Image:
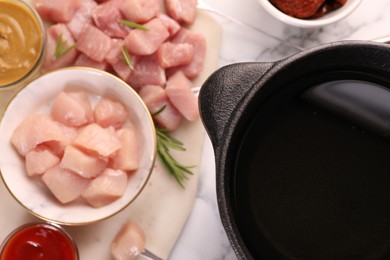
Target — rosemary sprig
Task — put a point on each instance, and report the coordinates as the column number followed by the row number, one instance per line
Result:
column 62, row 48
column 128, row 59
column 134, row 25
column 165, row 142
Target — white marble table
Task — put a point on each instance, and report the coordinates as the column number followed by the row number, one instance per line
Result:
column 203, row 237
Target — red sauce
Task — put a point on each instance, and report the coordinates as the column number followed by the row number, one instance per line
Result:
column 307, row 9
column 39, row 241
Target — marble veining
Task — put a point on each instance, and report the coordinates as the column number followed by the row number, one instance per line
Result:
column 203, row 237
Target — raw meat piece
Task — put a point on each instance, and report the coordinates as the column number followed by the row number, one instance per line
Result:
column 105, row 188
column 94, row 43
column 81, row 96
column 58, row 147
column 117, row 60
column 69, row 111
column 141, row 42
column 122, row 69
column 172, row 55
column 56, row 11
column 51, row 62
column 197, row 40
column 155, row 98
column 35, row 130
column 129, row 242
column 39, row 160
column 110, row 113
column 127, row 157
column 178, row 89
column 115, row 52
column 172, row 25
column 81, row 17
column 107, row 16
column 183, row 11
column 95, row 139
column 85, row 61
column 66, row 186
column 85, row 165
column 140, row 11
column 147, row 71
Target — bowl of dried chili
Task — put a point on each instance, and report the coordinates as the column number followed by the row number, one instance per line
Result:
column 309, row 14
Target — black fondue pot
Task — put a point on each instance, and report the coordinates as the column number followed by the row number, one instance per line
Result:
column 303, row 154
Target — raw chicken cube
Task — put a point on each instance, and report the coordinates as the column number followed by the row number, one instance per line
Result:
column 142, row 42
column 147, row 71
column 172, row 25
column 129, row 242
column 110, row 113
column 172, row 55
column 96, row 139
column 33, row 131
column 85, row 61
column 39, row 160
column 107, row 17
column 183, row 11
column 85, row 165
column 122, row 69
column 197, row 40
column 66, row 186
column 56, row 11
column 140, row 11
column 105, row 188
column 94, row 43
column 58, row 148
column 82, row 97
column 117, row 60
column 178, row 89
column 69, row 111
column 156, row 98
column 51, row 61
column 115, row 52
column 81, row 17
column 127, row 157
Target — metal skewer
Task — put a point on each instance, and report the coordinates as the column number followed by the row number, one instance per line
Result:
column 149, row 255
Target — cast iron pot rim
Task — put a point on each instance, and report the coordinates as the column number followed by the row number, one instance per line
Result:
column 364, row 61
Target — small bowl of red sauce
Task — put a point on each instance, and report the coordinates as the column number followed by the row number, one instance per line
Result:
column 39, row 241
column 309, row 14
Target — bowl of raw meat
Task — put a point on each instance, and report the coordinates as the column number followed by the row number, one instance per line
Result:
column 309, row 14
column 77, row 146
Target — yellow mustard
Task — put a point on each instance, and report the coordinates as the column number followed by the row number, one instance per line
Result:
column 21, row 41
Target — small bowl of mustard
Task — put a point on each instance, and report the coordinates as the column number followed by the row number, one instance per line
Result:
column 22, row 43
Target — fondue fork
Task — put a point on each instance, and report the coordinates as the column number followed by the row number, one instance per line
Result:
column 149, row 255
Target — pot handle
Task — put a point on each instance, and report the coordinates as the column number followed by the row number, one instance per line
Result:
column 223, row 91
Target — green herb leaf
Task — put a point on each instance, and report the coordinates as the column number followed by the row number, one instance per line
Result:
column 159, row 110
column 165, row 142
column 134, row 25
column 128, row 59
column 62, row 48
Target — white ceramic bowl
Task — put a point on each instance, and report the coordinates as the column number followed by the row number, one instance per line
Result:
column 37, row 96
column 327, row 19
